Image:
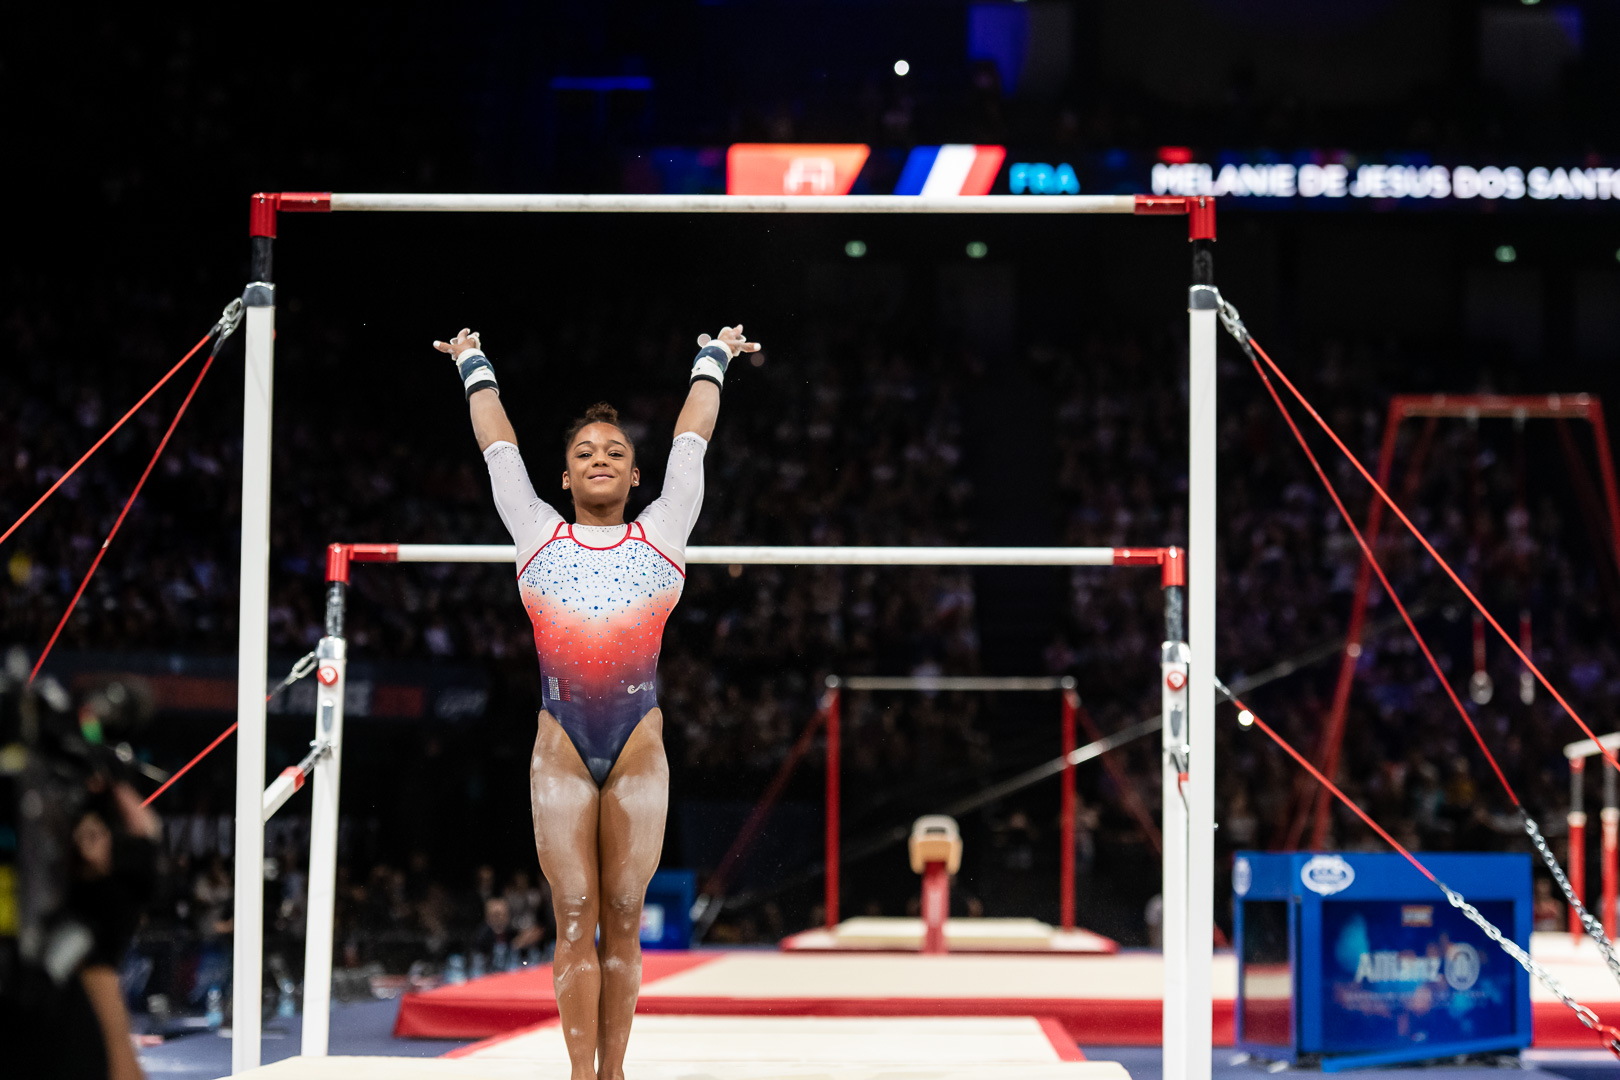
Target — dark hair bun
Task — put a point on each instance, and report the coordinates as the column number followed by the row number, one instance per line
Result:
column 602, row 413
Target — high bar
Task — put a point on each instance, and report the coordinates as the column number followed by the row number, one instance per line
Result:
column 762, row 555
column 738, row 204
column 952, row 682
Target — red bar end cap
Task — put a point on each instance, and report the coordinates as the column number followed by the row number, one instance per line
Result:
column 1173, row 568
column 1200, row 211
column 337, row 563
column 1200, row 217
column 262, row 207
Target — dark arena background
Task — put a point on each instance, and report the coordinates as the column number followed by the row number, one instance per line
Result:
column 1415, row 209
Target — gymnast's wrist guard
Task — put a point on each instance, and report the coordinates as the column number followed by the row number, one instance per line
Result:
column 476, row 372
column 711, row 364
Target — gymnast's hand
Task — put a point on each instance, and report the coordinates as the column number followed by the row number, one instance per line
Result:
column 461, row 343
column 731, row 337
column 717, row 354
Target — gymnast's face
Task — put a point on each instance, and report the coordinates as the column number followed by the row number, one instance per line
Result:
column 601, row 467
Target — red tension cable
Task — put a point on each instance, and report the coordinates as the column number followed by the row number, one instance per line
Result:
column 1389, row 590
column 1331, row 786
column 133, row 409
column 162, row 444
column 187, row 766
column 1608, row 755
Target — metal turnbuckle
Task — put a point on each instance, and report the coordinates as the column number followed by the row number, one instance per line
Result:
column 1232, row 321
column 303, row 667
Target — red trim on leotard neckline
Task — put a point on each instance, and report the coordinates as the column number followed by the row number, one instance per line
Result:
column 554, row 534
column 610, row 547
column 656, row 548
column 629, row 529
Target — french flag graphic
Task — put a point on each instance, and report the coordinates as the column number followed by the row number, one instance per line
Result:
column 952, row 169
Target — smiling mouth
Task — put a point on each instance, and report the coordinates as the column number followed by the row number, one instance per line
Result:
column 600, row 476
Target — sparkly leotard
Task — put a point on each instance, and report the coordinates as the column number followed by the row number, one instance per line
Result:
column 598, row 596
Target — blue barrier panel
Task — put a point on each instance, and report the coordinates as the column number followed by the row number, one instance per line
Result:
column 1359, row 960
column 666, row 916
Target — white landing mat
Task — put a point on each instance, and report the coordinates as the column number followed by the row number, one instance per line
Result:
column 753, row 1048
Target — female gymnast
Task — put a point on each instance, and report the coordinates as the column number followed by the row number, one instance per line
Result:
column 598, row 592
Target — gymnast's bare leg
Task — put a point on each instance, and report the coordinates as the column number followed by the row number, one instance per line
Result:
column 599, row 850
column 565, row 802
column 635, row 801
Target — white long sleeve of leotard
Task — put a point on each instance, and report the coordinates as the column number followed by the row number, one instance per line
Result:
column 668, row 520
column 530, row 519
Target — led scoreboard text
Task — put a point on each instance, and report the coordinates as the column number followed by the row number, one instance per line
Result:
column 1300, row 179
column 1334, row 181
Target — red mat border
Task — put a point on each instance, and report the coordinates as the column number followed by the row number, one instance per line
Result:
column 1099, row 1023
column 1108, row 1023
column 495, row 1006
column 1058, row 1036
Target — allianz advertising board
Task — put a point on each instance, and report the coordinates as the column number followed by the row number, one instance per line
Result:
column 1402, row 972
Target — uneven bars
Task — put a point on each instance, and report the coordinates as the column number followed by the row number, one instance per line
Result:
column 765, row 555
column 739, row 204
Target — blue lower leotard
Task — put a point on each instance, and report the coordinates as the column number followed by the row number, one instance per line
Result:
column 599, row 596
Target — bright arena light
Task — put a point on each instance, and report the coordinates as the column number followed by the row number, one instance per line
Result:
column 978, row 249
column 1246, row 718
column 901, row 67
column 855, row 248
column 1506, row 254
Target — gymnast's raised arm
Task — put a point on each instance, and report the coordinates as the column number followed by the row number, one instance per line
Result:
column 702, row 406
column 489, row 421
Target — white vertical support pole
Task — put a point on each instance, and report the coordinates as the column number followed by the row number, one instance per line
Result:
column 1173, row 892
column 1197, row 1032
column 331, row 678
column 251, row 656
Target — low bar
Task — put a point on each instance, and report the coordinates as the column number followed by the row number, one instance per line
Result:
column 764, row 555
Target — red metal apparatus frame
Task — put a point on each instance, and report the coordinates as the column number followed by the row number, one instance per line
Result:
column 1609, row 849
column 1172, row 564
column 1434, row 407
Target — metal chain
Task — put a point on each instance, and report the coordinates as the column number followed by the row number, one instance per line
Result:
column 1594, row 928
column 1611, row 1038
column 305, row 665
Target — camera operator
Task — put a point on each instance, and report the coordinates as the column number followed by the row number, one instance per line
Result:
column 78, row 860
